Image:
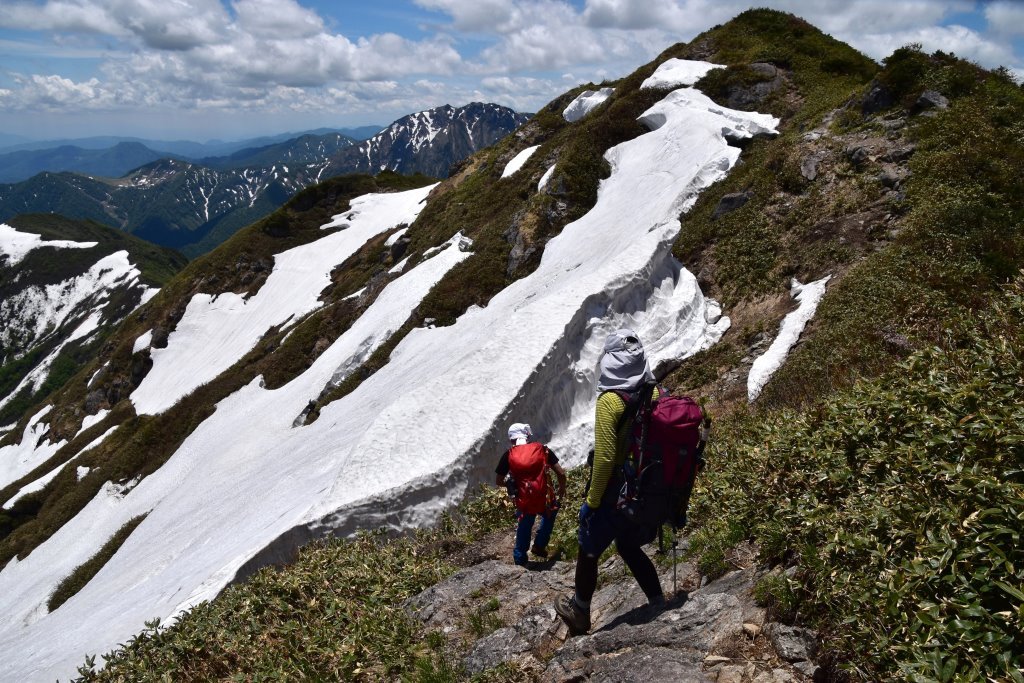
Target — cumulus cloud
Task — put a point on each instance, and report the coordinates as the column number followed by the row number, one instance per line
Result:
column 156, row 24
column 58, row 93
column 59, row 15
column 958, row 40
column 276, row 19
column 281, row 55
column 639, row 14
column 1005, row 18
column 478, row 15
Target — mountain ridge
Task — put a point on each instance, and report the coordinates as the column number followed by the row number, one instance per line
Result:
column 193, row 207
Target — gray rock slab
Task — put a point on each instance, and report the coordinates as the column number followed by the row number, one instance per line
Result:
column 730, row 202
column 521, row 641
column 931, row 99
column 740, row 584
column 674, row 643
column 439, row 604
column 811, row 670
column 730, row 674
column 792, row 643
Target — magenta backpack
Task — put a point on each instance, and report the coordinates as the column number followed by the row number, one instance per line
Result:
column 664, row 449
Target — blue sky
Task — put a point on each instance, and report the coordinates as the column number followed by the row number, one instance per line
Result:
column 228, row 69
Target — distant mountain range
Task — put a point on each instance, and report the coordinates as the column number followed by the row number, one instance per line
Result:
column 112, row 157
column 195, row 205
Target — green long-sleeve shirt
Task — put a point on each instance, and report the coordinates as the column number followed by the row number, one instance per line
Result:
column 610, row 445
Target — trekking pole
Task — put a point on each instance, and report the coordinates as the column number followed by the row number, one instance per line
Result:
column 675, row 587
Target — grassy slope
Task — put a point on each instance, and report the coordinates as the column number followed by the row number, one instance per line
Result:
column 900, row 501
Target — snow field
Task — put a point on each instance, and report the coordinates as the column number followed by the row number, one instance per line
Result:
column 35, row 310
column 218, row 329
column 765, row 365
column 42, row 452
column 244, row 469
column 16, row 245
column 19, row 459
column 38, row 311
column 35, row 378
column 409, row 438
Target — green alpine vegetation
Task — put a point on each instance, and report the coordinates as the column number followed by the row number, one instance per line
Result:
column 84, row 573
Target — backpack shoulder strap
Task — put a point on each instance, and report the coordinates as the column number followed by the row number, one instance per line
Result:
column 634, row 401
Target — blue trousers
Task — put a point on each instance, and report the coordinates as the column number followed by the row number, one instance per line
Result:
column 523, row 531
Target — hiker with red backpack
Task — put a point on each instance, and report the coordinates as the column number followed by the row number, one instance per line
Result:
column 524, row 469
column 647, row 448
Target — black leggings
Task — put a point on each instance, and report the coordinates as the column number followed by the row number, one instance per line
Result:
column 635, row 558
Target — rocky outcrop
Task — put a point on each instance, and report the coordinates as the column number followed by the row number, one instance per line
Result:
column 746, row 97
column 494, row 613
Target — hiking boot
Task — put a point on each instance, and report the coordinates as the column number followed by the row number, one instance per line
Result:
column 539, row 551
column 575, row 617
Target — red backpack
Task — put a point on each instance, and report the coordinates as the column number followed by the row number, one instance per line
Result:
column 664, row 449
column 528, row 466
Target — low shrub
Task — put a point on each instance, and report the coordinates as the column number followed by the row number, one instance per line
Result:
column 77, row 580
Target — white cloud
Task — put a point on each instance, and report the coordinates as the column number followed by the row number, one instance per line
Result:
column 277, row 19
column 59, row 15
column 282, row 55
column 958, row 40
column 476, row 15
column 56, row 93
column 1005, row 17
column 640, row 14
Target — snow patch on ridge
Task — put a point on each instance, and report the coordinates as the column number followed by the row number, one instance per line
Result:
column 143, row 342
column 16, row 245
column 765, row 365
column 677, row 72
column 518, row 160
column 546, row 178
column 586, row 102
column 19, row 459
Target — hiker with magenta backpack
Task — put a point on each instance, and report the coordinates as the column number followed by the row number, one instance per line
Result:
column 647, row 448
column 523, row 468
